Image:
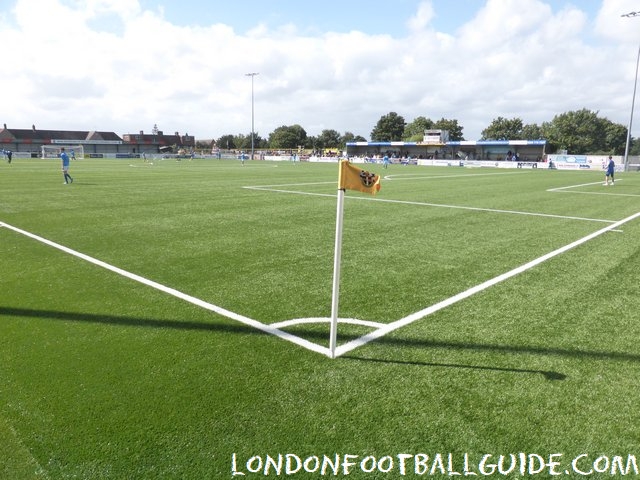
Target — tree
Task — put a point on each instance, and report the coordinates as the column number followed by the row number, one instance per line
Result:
column 579, row 132
column 288, row 137
column 532, row 132
column 205, row 144
column 244, row 141
column 503, row 129
column 615, row 137
column 329, row 139
column 390, row 127
column 311, row 142
column 455, row 130
column 583, row 132
column 575, row 131
column 414, row 131
column 350, row 137
column 226, row 142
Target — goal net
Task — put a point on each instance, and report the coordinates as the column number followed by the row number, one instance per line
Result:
column 53, row 151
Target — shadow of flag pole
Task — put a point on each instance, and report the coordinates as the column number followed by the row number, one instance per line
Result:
column 353, row 178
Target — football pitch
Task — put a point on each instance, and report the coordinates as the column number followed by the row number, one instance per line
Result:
column 171, row 321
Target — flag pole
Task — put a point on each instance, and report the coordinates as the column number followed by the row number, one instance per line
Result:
column 335, row 295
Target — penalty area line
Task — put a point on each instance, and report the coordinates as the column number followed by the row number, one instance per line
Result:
column 569, row 187
column 269, row 188
column 176, row 293
column 347, row 347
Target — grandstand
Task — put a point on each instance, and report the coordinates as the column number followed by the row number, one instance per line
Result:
column 436, row 145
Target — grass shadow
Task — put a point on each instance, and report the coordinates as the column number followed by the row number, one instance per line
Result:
column 548, row 375
column 320, row 336
column 129, row 321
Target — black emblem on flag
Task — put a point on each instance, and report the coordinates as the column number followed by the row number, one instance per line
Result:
column 367, row 179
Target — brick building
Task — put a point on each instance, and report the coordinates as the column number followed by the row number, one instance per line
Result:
column 95, row 143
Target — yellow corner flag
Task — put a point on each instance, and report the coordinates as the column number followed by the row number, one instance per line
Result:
column 354, row 178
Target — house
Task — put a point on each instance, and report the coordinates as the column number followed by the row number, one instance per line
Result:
column 94, row 143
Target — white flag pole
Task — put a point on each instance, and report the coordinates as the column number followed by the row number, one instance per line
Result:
column 336, row 275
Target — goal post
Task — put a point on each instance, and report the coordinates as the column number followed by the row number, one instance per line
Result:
column 53, row 151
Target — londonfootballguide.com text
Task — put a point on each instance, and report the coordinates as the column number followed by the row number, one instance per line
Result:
column 439, row 464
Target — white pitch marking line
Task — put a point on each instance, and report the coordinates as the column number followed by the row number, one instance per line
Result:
column 176, row 293
column 411, row 176
column 490, row 210
column 610, row 193
column 341, row 350
column 267, row 188
column 352, row 321
column 574, row 186
column 347, row 347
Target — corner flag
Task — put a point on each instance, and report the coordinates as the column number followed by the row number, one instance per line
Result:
column 354, row 178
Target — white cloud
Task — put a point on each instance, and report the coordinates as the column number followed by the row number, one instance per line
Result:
column 423, row 17
column 110, row 65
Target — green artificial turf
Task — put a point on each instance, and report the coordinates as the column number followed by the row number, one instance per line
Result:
column 103, row 377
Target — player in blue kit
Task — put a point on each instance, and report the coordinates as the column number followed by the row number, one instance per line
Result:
column 65, row 166
column 611, row 168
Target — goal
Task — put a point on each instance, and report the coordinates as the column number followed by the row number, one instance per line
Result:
column 53, row 151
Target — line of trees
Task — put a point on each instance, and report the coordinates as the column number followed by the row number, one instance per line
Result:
column 579, row 132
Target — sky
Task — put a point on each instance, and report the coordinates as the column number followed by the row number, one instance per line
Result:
column 129, row 65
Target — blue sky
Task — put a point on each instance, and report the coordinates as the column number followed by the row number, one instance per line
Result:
column 370, row 16
column 127, row 65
